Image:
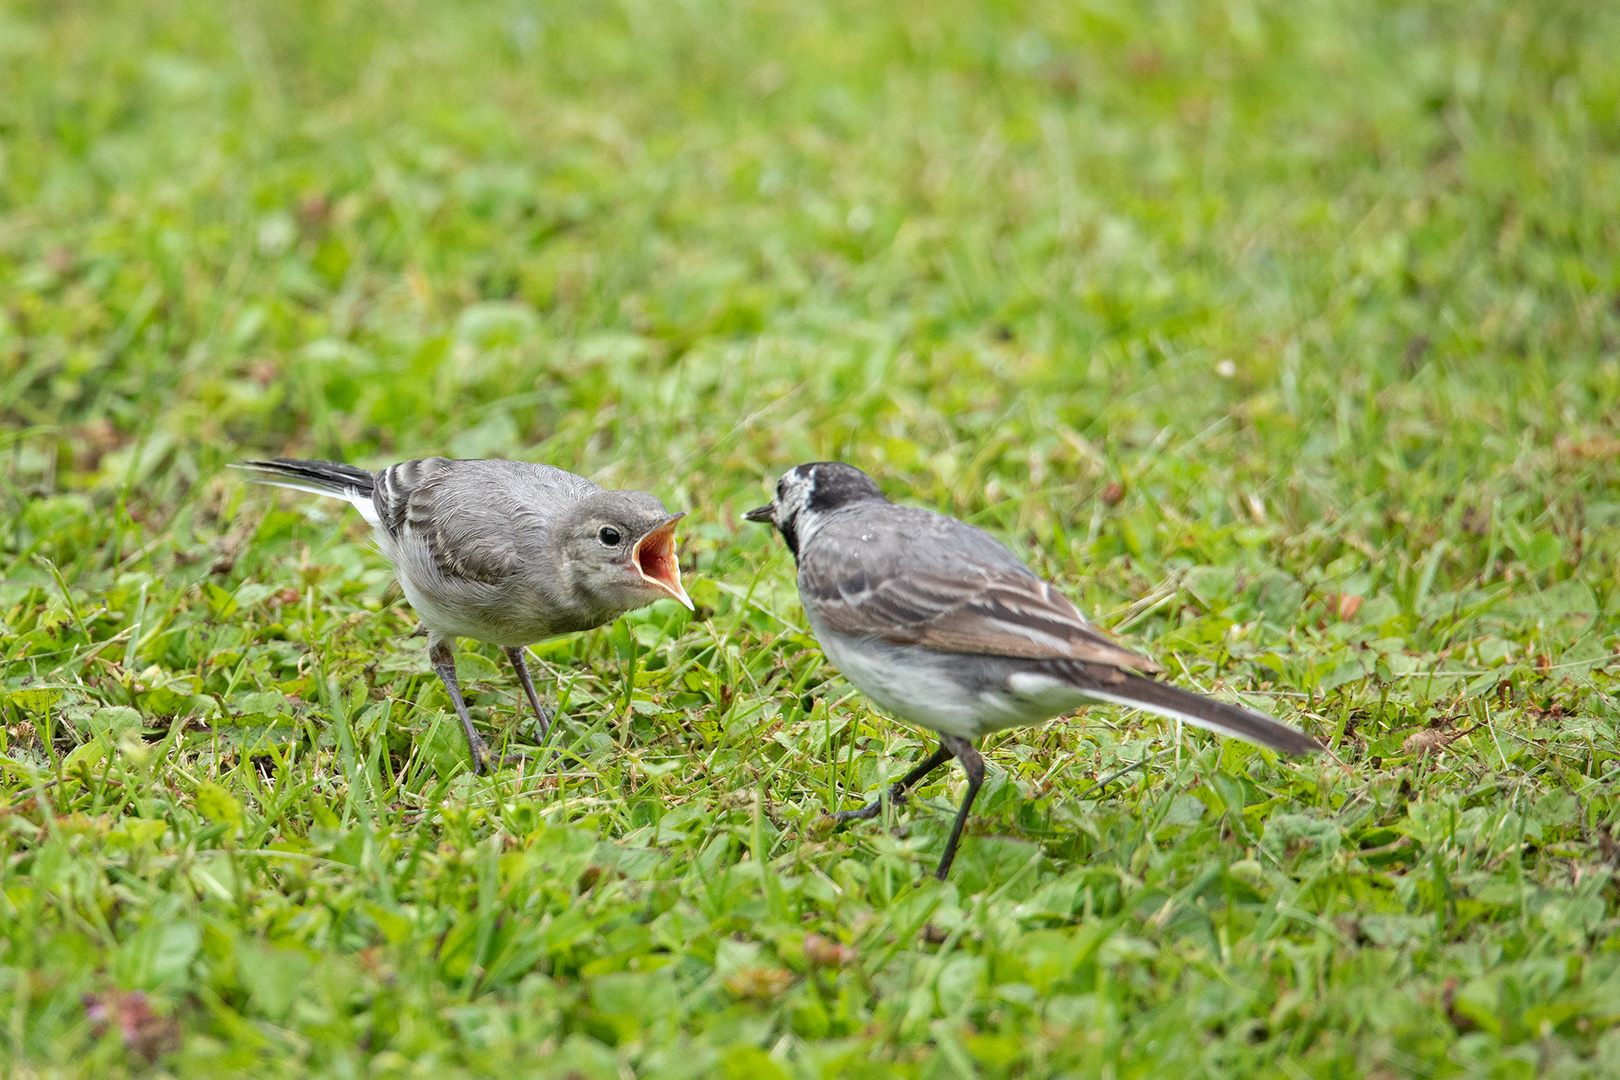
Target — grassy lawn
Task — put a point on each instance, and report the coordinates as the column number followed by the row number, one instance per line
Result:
column 1284, row 336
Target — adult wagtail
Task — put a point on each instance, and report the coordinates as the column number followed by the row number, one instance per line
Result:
column 502, row 551
column 941, row 625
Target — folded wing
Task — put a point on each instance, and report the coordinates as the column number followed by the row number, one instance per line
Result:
column 470, row 515
column 919, row 578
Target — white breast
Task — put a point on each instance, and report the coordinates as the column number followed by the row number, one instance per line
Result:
column 447, row 609
column 952, row 693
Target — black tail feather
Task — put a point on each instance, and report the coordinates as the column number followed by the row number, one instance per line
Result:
column 1200, row 711
column 333, row 475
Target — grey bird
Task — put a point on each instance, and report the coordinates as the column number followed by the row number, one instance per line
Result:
column 942, row 626
column 506, row 552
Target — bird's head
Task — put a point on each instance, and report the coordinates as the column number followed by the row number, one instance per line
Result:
column 807, row 492
column 620, row 545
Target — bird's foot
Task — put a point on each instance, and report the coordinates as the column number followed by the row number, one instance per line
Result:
column 485, row 760
column 897, row 796
column 488, row 761
column 865, row 813
column 543, row 722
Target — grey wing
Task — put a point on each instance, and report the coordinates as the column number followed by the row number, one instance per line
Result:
column 477, row 519
column 919, row 578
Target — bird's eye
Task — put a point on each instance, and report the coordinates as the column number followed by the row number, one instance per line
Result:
column 608, row 535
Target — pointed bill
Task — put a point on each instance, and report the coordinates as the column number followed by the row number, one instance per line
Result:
column 654, row 557
column 761, row 513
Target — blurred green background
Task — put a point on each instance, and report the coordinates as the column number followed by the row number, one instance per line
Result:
column 958, row 237
column 1285, row 337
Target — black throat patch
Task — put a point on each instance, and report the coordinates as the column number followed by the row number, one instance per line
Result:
column 790, row 534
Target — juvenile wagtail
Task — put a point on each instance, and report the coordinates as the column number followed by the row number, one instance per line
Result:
column 502, row 551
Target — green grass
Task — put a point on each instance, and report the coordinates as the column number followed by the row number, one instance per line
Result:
column 1284, row 336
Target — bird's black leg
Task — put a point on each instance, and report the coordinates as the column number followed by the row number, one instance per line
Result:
column 897, row 790
column 515, row 654
column 973, row 765
column 444, row 662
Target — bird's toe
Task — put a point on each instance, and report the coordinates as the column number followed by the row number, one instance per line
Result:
column 865, row 813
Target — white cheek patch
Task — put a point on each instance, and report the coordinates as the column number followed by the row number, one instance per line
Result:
column 797, row 490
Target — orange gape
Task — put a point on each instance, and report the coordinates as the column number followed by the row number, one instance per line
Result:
column 655, row 558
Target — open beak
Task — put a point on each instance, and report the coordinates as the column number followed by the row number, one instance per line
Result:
column 761, row 513
column 654, row 558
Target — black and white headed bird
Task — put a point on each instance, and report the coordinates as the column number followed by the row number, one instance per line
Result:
column 506, row 552
column 941, row 625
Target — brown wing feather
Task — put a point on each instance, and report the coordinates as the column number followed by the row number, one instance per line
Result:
column 999, row 609
column 1029, row 618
